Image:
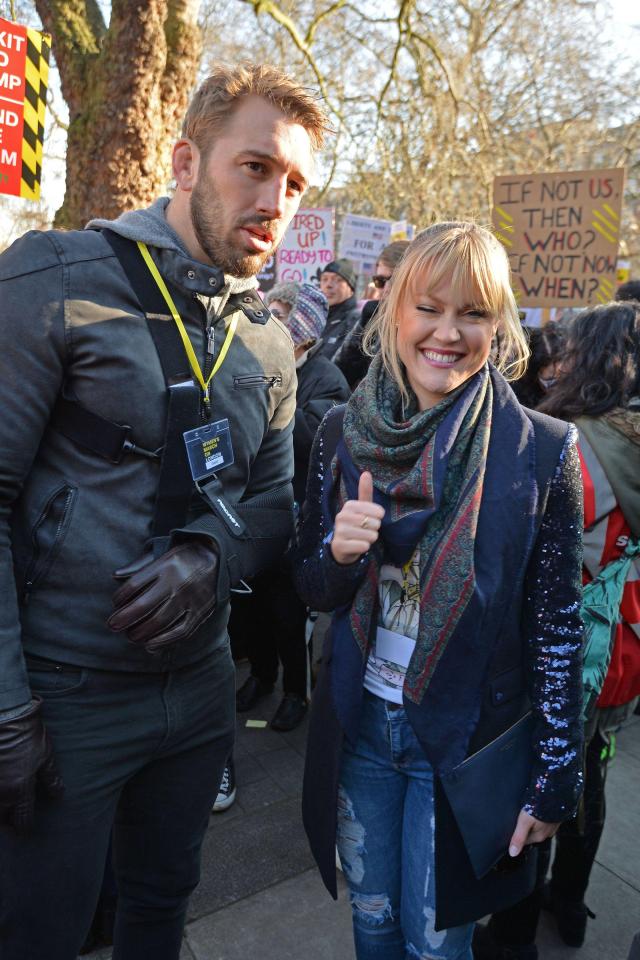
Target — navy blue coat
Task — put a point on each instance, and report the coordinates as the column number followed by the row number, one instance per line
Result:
column 493, row 669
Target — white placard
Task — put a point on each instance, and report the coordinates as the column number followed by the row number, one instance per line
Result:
column 307, row 247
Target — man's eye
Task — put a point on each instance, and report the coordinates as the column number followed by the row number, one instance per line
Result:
column 255, row 166
column 294, row 186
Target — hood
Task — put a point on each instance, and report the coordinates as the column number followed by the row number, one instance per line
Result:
column 615, row 438
column 150, row 226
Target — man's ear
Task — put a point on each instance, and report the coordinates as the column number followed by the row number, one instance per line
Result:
column 185, row 161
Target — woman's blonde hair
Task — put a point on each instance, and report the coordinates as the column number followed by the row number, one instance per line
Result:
column 477, row 267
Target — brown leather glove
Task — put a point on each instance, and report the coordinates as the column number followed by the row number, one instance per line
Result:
column 26, row 759
column 166, row 600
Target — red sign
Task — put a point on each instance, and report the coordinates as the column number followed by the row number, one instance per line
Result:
column 13, row 55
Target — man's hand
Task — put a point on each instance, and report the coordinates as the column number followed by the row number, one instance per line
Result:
column 26, row 759
column 529, row 830
column 164, row 601
column 357, row 525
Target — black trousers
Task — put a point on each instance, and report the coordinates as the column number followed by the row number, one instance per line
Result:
column 577, row 843
column 268, row 626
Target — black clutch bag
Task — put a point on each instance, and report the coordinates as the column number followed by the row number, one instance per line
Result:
column 477, row 806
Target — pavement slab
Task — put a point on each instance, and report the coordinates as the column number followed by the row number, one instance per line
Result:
column 294, row 919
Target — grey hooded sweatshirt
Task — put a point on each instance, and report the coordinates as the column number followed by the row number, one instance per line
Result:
column 69, row 518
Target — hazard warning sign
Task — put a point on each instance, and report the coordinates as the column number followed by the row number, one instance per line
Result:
column 24, row 76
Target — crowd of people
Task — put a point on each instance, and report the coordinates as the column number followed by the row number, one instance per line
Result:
column 184, row 462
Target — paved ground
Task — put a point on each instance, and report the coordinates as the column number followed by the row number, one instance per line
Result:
column 260, row 897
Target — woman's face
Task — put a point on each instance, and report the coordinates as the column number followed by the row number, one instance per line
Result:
column 441, row 341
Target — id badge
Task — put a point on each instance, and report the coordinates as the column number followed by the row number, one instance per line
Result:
column 209, row 449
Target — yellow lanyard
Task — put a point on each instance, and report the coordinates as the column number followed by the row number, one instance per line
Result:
column 193, row 360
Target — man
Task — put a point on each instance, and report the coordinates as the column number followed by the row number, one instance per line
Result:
column 352, row 361
column 148, row 405
column 338, row 283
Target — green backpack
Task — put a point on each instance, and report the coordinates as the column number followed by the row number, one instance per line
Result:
column 601, row 614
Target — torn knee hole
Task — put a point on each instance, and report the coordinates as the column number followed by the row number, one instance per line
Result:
column 373, row 908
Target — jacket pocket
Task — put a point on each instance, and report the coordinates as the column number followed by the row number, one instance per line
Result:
column 50, row 679
column 48, row 535
column 255, row 380
column 507, row 686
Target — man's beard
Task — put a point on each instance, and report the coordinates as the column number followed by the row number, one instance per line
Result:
column 207, row 217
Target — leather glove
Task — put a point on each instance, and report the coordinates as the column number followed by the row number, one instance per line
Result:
column 26, row 758
column 166, row 600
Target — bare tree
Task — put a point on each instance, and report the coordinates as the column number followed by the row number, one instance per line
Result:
column 126, row 85
column 433, row 98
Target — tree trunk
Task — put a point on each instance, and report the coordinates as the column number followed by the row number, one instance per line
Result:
column 126, row 87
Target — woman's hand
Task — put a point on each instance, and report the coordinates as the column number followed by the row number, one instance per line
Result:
column 357, row 525
column 529, row 830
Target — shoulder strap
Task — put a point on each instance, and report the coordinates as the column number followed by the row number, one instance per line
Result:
column 112, row 440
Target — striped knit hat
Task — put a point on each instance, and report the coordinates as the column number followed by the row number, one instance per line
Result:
column 309, row 315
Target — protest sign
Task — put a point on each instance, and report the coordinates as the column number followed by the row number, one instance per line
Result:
column 362, row 239
column 623, row 271
column 307, row 246
column 401, row 230
column 267, row 276
column 561, row 232
column 24, row 75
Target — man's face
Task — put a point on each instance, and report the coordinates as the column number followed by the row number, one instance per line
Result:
column 383, row 272
column 249, row 186
column 334, row 287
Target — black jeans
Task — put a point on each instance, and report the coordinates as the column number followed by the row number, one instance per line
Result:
column 144, row 754
column 269, row 624
column 577, row 843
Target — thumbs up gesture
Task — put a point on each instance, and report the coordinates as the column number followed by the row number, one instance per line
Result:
column 357, row 525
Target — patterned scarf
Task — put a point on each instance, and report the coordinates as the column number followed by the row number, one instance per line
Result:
column 428, row 472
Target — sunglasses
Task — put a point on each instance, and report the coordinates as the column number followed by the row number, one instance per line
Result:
column 379, row 281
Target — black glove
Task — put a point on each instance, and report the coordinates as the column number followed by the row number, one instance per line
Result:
column 167, row 599
column 26, row 757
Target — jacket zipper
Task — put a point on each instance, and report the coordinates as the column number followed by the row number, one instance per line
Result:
column 33, row 574
column 256, row 381
column 208, row 367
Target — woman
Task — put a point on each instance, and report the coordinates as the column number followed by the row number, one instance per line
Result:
column 598, row 388
column 545, row 346
column 452, row 563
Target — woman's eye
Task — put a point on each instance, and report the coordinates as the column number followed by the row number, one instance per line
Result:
column 425, row 308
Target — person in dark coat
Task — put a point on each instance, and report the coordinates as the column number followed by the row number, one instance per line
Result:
column 445, row 534
column 353, row 361
column 274, row 604
column 338, row 283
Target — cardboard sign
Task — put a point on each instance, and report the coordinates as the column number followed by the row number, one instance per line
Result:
column 362, row 240
column 24, row 76
column 307, row 246
column 561, row 232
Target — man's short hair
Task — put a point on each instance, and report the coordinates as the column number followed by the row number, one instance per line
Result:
column 393, row 253
column 629, row 290
column 219, row 95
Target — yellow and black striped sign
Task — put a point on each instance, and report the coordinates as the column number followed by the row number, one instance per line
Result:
column 35, row 105
column 24, row 75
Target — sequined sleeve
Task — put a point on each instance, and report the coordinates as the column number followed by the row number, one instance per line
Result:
column 553, row 633
column 322, row 583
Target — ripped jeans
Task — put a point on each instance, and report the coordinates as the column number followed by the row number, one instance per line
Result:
column 385, row 842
